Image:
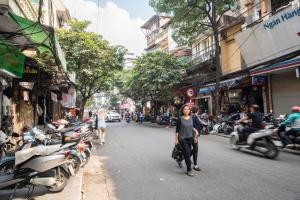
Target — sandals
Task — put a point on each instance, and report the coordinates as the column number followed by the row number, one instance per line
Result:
column 196, row 167
column 189, row 173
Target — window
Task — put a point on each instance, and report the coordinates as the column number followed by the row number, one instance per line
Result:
column 276, row 4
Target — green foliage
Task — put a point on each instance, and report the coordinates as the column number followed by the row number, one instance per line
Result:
column 92, row 58
column 113, row 100
column 190, row 18
column 152, row 78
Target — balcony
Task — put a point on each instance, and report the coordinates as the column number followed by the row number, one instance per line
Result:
column 203, row 55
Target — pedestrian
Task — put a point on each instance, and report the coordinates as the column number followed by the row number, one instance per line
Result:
column 141, row 118
column 90, row 114
column 138, row 115
column 187, row 137
column 101, row 126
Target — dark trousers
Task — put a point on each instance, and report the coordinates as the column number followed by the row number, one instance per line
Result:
column 186, row 145
column 286, row 136
column 246, row 132
column 194, row 152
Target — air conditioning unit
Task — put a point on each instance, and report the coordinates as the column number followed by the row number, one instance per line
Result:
column 249, row 20
column 4, row 7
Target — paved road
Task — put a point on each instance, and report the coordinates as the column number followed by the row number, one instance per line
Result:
column 137, row 159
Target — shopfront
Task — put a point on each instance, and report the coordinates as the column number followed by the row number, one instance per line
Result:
column 236, row 94
column 284, row 84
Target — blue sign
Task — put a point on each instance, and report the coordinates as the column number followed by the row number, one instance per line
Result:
column 283, row 18
column 259, row 80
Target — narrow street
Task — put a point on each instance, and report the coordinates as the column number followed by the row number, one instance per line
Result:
column 137, row 159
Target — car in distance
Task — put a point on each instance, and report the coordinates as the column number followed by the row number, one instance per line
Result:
column 113, row 116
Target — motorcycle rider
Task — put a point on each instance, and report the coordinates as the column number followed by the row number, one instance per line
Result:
column 255, row 117
column 127, row 116
column 293, row 120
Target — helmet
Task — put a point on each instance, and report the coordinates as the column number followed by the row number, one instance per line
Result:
column 296, row 109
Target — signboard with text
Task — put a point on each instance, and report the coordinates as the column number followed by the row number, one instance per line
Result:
column 273, row 38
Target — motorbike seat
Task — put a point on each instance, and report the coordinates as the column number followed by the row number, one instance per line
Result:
column 23, row 155
column 5, row 178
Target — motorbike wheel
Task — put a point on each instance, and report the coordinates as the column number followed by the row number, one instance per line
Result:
column 272, row 152
column 233, row 142
column 76, row 162
column 7, row 168
column 61, row 182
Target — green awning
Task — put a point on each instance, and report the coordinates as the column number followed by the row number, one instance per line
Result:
column 42, row 37
column 11, row 60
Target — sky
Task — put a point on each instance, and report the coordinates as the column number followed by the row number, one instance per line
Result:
column 119, row 21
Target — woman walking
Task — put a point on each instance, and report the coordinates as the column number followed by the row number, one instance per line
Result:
column 187, row 136
column 101, row 126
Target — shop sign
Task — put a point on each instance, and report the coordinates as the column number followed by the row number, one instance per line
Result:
column 282, row 18
column 30, row 74
column 274, row 38
column 29, row 70
column 191, row 103
column 11, row 60
column 190, row 92
column 259, row 80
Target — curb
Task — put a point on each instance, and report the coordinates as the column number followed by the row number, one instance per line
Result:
column 71, row 192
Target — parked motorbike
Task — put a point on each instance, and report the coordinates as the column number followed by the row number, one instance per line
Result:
column 225, row 124
column 260, row 141
column 38, row 166
column 166, row 120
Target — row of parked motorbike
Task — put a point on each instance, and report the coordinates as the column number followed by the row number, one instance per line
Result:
column 44, row 157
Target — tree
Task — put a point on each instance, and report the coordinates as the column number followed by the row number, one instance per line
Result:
column 152, row 78
column 92, row 58
column 193, row 17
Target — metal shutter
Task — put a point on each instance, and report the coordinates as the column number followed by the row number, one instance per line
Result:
column 285, row 92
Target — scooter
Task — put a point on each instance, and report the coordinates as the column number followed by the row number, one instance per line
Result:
column 280, row 132
column 38, row 166
column 260, row 141
column 128, row 119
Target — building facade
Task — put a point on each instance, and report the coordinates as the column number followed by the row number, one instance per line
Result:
column 270, row 48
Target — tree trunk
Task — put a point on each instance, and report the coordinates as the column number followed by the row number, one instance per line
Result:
column 82, row 106
column 217, row 56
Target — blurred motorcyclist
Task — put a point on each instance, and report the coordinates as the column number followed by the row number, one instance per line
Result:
column 294, row 121
column 255, row 119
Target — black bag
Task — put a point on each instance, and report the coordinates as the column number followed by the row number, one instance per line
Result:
column 177, row 153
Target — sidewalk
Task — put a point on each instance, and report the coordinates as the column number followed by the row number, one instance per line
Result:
column 96, row 181
column 71, row 192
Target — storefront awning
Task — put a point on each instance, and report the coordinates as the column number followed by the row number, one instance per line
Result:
column 277, row 68
column 207, row 90
column 25, row 33
column 226, row 84
column 11, row 60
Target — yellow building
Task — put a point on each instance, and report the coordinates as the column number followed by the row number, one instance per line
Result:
column 231, row 60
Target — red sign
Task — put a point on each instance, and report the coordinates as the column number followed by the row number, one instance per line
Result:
column 190, row 92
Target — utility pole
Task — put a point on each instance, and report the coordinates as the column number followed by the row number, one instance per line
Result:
column 216, row 60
